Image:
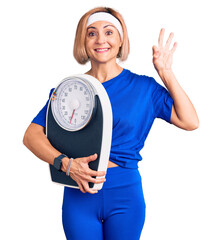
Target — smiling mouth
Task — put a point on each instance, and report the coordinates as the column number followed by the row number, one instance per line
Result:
column 101, row 50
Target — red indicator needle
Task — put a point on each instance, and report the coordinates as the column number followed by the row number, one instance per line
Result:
column 72, row 115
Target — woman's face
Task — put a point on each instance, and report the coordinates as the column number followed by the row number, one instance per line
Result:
column 102, row 42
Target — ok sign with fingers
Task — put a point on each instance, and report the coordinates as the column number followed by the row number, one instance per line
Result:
column 162, row 55
column 183, row 113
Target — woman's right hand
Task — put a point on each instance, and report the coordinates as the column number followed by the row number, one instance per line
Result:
column 82, row 174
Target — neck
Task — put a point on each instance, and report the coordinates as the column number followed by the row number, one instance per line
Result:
column 104, row 72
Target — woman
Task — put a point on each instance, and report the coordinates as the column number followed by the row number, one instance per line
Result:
column 117, row 211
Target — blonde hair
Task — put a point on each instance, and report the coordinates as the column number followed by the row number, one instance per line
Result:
column 79, row 51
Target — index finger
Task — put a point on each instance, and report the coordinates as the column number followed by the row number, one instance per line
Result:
column 160, row 40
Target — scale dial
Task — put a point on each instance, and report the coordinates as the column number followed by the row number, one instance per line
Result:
column 72, row 104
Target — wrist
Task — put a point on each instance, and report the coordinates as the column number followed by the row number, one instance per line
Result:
column 65, row 163
column 165, row 71
column 166, row 75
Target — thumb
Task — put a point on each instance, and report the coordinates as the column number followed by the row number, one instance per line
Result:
column 155, row 52
column 92, row 157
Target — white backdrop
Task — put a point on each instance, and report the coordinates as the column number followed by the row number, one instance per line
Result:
column 181, row 170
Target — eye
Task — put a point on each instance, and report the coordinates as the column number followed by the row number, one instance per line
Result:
column 91, row 34
column 109, row 32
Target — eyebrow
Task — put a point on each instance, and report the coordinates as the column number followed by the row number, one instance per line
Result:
column 103, row 27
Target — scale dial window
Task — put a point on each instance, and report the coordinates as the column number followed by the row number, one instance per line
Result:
column 72, row 104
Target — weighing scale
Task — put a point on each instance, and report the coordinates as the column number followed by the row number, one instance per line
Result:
column 79, row 123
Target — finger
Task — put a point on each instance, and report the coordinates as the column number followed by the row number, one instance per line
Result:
column 80, row 187
column 174, row 47
column 97, row 173
column 93, row 179
column 87, row 189
column 96, row 180
column 161, row 36
column 93, row 191
column 91, row 157
column 155, row 52
column 169, row 40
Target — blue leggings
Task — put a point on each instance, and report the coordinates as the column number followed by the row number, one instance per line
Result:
column 116, row 212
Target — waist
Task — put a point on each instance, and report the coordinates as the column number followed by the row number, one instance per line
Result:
column 112, row 164
column 121, row 177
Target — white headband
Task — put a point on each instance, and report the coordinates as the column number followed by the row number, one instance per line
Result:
column 103, row 16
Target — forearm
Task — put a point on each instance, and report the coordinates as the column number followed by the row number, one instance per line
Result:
column 183, row 107
column 36, row 141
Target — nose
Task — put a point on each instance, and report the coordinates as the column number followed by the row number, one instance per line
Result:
column 101, row 38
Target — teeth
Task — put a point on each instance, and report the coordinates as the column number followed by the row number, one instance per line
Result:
column 100, row 50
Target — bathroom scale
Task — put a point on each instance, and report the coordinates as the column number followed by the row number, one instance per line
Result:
column 79, row 123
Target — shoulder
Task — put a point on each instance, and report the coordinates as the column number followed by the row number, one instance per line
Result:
column 141, row 79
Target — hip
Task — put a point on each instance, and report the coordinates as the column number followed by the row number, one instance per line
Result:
column 122, row 185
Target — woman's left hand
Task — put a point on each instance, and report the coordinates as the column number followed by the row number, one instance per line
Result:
column 162, row 55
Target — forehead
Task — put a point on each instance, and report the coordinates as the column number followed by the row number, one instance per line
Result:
column 100, row 24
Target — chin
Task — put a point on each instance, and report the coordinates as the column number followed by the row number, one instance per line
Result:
column 104, row 59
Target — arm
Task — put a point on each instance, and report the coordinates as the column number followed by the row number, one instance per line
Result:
column 37, row 142
column 183, row 112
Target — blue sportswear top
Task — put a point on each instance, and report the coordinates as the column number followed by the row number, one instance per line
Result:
column 136, row 101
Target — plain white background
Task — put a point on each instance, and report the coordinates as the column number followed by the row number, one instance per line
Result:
column 181, row 170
